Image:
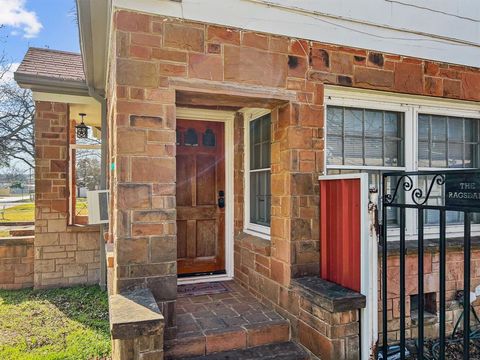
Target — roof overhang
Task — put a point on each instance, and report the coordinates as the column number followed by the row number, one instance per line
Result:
column 51, row 85
column 94, row 18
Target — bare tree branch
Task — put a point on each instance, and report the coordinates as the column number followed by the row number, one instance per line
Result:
column 17, row 112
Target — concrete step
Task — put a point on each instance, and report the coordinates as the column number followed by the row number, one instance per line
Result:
column 236, row 337
column 281, row 351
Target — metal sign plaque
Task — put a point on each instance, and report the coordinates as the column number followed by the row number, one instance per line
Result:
column 462, row 190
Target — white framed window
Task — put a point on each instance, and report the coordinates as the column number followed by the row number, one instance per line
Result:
column 257, row 145
column 83, row 174
column 430, row 134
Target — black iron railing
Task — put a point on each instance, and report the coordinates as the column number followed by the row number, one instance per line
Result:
column 459, row 191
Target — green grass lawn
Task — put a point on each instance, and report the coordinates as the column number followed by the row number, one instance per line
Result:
column 21, row 212
column 26, row 211
column 54, row 324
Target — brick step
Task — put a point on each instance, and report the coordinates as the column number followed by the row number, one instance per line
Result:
column 281, row 351
column 235, row 337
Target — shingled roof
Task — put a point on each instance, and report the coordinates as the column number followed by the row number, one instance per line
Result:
column 52, row 64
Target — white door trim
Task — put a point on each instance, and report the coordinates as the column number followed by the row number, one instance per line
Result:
column 227, row 117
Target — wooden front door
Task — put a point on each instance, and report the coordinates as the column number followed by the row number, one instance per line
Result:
column 200, row 185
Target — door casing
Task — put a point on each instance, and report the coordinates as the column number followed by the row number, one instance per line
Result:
column 227, row 117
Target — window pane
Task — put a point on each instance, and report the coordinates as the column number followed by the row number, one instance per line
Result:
column 455, row 155
column 87, row 178
column 471, row 132
column 260, row 142
column 260, row 198
column 353, row 122
column 439, row 156
column 353, row 151
column 469, row 155
column 268, row 202
column 265, row 123
column 392, row 124
column 423, row 154
column 265, row 150
column 423, row 127
column 334, row 120
column 252, row 147
column 334, row 150
column 392, row 152
column 455, row 129
column 439, row 128
column 256, row 131
column 373, row 152
column 373, row 123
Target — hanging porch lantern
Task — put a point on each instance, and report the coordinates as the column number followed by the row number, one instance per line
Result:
column 82, row 129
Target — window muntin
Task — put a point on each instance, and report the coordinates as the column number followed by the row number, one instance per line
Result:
column 364, row 137
column 446, row 142
column 259, row 170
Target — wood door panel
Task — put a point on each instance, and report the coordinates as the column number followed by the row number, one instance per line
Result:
column 200, row 178
column 206, row 238
column 186, row 213
column 181, row 239
column 185, row 172
column 206, row 168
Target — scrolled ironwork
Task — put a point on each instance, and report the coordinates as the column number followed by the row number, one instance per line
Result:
column 407, row 185
column 417, row 193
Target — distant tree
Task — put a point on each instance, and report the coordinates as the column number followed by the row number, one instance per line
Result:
column 13, row 175
column 88, row 173
column 17, row 112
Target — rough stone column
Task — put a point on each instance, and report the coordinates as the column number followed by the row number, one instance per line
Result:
column 143, row 143
column 64, row 255
column 297, row 160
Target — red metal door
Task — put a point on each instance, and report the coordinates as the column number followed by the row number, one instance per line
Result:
column 340, row 231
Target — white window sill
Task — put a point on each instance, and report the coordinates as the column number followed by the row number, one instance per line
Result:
column 258, row 230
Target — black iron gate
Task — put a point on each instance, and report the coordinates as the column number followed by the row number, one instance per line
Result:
column 431, row 194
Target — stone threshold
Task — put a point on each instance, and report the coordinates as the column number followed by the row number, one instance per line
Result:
column 233, row 320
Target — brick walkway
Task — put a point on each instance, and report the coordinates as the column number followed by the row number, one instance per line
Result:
column 283, row 351
column 220, row 322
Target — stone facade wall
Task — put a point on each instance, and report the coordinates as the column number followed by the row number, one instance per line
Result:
column 454, row 283
column 16, row 263
column 64, row 255
column 155, row 54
